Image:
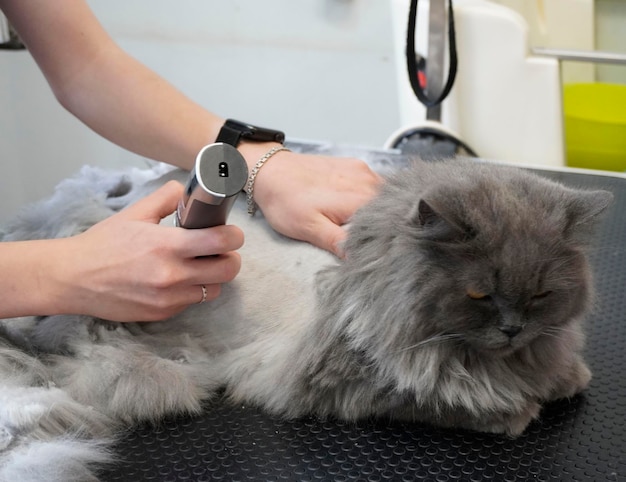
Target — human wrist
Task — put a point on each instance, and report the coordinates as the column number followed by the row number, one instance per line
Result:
column 65, row 276
column 264, row 161
column 31, row 276
column 257, row 145
column 250, row 184
column 253, row 151
column 251, row 141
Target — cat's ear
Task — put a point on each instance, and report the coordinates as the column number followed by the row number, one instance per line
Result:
column 583, row 211
column 435, row 227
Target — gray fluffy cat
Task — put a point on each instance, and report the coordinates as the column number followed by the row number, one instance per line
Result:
column 459, row 303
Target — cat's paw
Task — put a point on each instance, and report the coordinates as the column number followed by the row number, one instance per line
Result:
column 516, row 423
column 581, row 377
column 575, row 382
column 512, row 424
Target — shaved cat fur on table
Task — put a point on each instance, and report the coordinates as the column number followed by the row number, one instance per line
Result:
column 459, row 303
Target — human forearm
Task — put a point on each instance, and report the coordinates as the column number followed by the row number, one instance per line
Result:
column 107, row 89
column 131, row 106
column 28, row 277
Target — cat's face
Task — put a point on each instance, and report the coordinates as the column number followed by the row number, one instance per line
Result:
column 505, row 263
column 498, row 300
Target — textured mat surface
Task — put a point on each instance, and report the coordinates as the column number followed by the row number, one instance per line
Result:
column 583, row 439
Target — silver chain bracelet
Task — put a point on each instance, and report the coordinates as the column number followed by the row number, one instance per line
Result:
column 252, row 207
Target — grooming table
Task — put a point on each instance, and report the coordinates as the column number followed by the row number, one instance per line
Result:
column 582, row 439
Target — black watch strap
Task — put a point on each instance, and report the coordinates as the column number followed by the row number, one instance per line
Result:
column 233, row 131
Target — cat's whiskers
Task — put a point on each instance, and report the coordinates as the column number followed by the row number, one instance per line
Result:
column 552, row 259
column 556, row 331
column 436, row 339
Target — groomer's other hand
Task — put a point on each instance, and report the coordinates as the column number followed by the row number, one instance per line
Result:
column 130, row 268
column 310, row 197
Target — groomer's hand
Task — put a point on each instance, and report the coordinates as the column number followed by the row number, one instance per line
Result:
column 310, row 197
column 130, row 268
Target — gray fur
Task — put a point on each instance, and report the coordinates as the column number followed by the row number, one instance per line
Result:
column 388, row 332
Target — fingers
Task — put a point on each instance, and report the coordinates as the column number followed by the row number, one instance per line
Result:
column 212, row 270
column 155, row 206
column 198, row 294
column 311, row 197
column 167, row 303
column 209, row 261
column 192, row 243
column 185, row 242
column 327, row 235
column 208, row 273
column 164, row 296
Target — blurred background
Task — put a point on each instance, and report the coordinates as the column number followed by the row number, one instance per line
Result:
column 325, row 70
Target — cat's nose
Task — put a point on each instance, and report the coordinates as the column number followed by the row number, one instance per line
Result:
column 510, row 330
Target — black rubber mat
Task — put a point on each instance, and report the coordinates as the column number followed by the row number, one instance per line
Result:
column 582, row 439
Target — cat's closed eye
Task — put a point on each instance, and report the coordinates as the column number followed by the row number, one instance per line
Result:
column 478, row 295
column 541, row 295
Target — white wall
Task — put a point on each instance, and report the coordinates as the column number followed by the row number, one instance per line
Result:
column 611, row 36
column 317, row 69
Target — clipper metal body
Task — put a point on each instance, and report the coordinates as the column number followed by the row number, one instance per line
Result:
column 219, row 175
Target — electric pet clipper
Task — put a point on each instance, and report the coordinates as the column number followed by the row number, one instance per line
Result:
column 219, row 175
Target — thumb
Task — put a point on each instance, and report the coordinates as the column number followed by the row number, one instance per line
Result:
column 157, row 205
column 329, row 236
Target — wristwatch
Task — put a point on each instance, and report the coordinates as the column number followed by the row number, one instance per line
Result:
column 233, row 131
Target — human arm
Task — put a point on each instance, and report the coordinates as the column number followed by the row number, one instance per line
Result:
column 125, row 268
column 305, row 197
